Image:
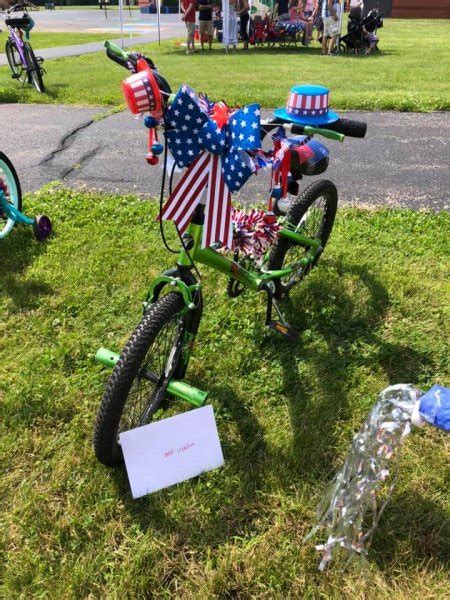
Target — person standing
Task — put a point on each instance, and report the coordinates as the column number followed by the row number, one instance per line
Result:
column 188, row 10
column 205, row 24
column 244, row 18
column 230, row 23
column 330, row 17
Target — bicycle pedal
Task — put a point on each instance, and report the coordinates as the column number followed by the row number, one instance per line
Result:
column 15, row 76
column 284, row 329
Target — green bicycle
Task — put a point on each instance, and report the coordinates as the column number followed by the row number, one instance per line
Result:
column 151, row 368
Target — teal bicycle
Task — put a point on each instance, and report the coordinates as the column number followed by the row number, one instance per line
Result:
column 149, row 373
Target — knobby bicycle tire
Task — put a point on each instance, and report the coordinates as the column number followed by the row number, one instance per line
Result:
column 126, row 372
column 34, row 69
column 319, row 189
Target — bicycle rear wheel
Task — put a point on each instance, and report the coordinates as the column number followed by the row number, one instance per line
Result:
column 34, row 69
column 10, row 187
column 313, row 213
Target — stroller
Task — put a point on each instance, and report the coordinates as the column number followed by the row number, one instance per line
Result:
column 361, row 37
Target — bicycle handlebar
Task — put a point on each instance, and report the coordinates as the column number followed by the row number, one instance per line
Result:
column 17, row 7
column 116, row 50
column 333, row 131
column 267, row 126
column 308, row 130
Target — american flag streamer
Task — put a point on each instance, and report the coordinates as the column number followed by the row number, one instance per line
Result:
column 204, row 172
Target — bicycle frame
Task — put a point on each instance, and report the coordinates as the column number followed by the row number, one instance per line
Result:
column 15, row 37
column 252, row 279
column 183, row 281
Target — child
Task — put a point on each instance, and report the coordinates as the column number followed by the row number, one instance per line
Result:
column 307, row 22
column 293, row 10
column 330, row 17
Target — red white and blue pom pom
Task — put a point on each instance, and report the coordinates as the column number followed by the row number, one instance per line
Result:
column 253, row 232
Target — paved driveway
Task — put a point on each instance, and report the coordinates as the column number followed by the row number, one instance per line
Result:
column 403, row 162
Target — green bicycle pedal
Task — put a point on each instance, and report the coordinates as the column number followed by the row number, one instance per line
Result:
column 284, row 329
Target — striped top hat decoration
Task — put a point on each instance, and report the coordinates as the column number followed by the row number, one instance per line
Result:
column 141, row 91
column 308, row 105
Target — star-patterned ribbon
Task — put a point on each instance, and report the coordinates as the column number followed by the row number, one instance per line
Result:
column 212, row 143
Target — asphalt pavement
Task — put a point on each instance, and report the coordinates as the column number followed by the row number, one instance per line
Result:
column 404, row 161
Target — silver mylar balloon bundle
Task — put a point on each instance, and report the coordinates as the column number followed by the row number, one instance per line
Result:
column 353, row 491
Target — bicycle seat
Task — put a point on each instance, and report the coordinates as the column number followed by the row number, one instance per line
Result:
column 19, row 22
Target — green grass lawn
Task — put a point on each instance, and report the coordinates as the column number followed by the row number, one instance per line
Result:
column 44, row 39
column 411, row 73
column 371, row 314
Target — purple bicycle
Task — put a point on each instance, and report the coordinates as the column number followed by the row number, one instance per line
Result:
column 25, row 66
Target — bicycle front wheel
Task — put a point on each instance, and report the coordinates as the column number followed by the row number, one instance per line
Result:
column 313, row 214
column 133, row 393
column 10, row 188
column 34, row 69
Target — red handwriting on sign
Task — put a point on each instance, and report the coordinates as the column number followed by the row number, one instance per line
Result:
column 184, row 448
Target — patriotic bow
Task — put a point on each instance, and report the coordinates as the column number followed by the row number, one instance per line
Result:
column 212, row 143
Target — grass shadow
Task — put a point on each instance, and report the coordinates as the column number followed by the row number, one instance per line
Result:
column 18, row 251
column 342, row 334
column 413, row 520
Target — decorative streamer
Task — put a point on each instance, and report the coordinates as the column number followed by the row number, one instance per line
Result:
column 353, row 491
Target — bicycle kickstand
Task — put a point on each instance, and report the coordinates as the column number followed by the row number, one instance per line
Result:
column 280, row 326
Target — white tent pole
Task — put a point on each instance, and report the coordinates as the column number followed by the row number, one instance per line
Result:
column 158, row 10
column 121, row 21
column 341, row 14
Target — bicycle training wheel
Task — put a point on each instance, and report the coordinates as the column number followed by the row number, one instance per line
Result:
column 10, row 186
column 133, row 394
column 313, row 213
column 34, row 69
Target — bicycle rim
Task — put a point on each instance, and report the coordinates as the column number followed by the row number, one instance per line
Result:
column 311, row 226
column 143, row 401
column 34, row 70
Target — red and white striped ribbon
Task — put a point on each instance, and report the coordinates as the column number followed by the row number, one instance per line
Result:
column 205, row 171
column 218, row 208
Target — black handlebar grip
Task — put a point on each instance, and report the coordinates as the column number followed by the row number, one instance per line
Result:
column 357, row 129
column 297, row 129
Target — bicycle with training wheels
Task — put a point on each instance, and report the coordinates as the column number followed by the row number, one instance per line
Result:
column 11, row 204
column 271, row 250
column 25, row 66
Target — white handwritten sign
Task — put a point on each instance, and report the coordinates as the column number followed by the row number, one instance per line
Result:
column 171, row 450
